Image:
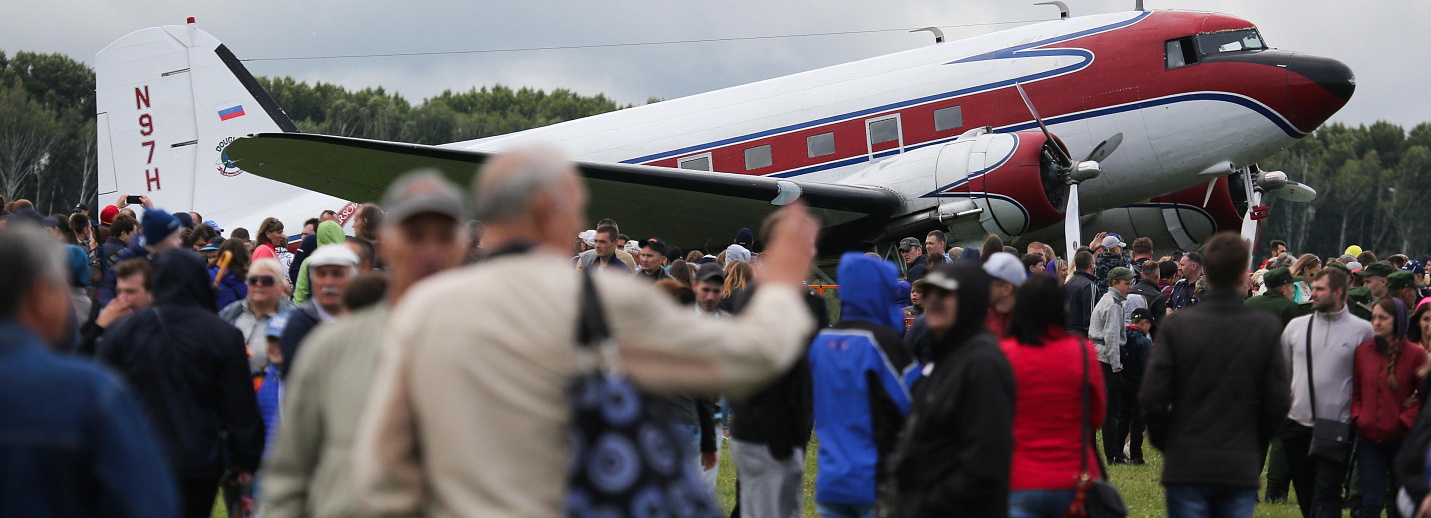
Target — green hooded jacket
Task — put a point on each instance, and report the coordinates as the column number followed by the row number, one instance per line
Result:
column 329, row 233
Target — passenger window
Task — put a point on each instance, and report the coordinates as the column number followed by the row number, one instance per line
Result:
column 757, row 157
column 1180, row 53
column 820, row 145
column 948, row 118
column 884, row 130
column 696, row 163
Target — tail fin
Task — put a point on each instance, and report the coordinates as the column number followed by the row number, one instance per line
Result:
column 168, row 100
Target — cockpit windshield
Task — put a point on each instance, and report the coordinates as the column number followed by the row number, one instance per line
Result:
column 1229, row 41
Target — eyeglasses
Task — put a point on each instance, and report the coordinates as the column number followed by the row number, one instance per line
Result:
column 262, row 280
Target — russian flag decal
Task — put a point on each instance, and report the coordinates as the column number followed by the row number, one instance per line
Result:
column 230, row 113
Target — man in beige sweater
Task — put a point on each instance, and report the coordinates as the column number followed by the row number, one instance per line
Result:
column 468, row 415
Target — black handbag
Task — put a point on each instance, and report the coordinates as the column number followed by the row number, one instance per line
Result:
column 1096, row 497
column 1331, row 439
column 624, row 462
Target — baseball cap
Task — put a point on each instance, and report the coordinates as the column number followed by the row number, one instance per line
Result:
column 744, row 237
column 34, row 217
column 81, row 207
column 213, row 244
column 1277, row 277
column 1112, row 241
column 1004, row 266
column 1119, row 274
column 710, row 271
column 736, row 253
column 214, row 226
column 706, row 259
column 1375, row 270
column 108, row 213
column 158, row 226
column 276, row 325
column 1142, row 314
column 1415, row 267
column 588, row 237
column 185, row 220
column 1401, row 279
column 336, row 254
column 908, row 243
column 940, row 278
column 423, row 191
column 655, row 244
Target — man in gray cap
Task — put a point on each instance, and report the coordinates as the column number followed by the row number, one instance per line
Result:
column 423, row 234
column 913, row 253
column 1105, row 328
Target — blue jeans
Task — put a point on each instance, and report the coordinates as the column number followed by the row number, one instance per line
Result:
column 1210, row 501
column 1374, row 461
column 845, row 511
column 1040, row 503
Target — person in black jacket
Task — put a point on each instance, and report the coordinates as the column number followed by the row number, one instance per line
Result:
column 1082, row 292
column 1216, row 390
column 190, row 368
column 954, row 457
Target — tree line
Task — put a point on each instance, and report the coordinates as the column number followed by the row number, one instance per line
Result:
column 1373, row 182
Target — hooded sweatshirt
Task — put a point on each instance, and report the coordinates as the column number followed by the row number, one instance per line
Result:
column 190, row 368
column 861, row 376
column 328, row 233
column 957, row 446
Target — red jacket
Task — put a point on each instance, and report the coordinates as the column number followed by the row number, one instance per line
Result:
column 1382, row 414
column 1048, row 405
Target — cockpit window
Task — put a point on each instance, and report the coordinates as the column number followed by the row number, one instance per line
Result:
column 1229, row 41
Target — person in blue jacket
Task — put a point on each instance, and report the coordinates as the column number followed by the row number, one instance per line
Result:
column 861, row 373
column 74, row 440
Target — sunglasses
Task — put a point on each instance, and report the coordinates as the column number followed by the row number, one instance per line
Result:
column 262, row 280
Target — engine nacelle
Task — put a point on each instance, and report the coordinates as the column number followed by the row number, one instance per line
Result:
column 981, row 183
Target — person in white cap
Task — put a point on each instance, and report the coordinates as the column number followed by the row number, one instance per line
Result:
column 1109, row 253
column 1008, row 274
column 329, row 269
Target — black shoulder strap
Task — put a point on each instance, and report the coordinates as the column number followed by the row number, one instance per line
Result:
column 1085, row 425
column 591, row 326
column 1311, row 387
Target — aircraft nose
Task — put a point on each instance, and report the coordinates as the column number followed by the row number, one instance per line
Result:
column 1318, row 87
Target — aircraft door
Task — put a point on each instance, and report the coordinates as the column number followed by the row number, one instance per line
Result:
column 884, row 137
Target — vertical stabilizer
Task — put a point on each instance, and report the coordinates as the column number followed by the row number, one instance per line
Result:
column 168, row 100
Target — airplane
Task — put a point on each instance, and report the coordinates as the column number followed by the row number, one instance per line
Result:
column 1143, row 123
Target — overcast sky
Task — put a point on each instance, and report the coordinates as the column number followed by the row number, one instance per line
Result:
column 1384, row 42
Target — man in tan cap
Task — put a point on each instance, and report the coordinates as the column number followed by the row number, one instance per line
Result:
column 309, row 471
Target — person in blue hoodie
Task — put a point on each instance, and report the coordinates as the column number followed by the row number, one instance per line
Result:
column 861, row 375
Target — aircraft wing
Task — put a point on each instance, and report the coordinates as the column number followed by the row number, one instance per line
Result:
column 689, row 209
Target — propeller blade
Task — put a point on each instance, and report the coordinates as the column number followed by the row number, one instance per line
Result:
column 1210, row 186
column 1105, row 148
column 1072, row 227
column 1294, row 191
column 1063, row 158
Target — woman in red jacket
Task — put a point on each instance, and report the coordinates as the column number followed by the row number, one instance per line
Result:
column 1050, row 453
column 1384, row 399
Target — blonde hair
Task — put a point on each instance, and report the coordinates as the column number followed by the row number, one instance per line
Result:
column 737, row 274
column 271, row 267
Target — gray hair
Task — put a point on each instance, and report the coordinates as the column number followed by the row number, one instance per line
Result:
column 26, row 255
column 508, row 182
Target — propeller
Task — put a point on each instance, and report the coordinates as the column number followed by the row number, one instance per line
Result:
column 1073, row 173
column 1260, row 183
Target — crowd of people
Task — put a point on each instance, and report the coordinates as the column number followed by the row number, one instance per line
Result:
column 429, row 364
